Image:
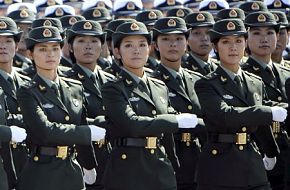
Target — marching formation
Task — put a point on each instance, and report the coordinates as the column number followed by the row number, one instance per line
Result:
column 144, row 95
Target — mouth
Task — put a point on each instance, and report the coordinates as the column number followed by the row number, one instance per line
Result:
column 88, row 54
column 204, row 46
column 264, row 47
column 50, row 61
column 3, row 53
column 233, row 55
column 173, row 51
column 136, row 58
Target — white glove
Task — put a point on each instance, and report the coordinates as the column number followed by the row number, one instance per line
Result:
column 186, row 120
column 97, row 133
column 279, row 114
column 18, row 134
column 269, row 163
column 90, row 176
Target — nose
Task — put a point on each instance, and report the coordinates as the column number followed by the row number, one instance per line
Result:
column 136, row 50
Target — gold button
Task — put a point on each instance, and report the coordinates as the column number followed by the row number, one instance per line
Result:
column 276, row 136
column 244, row 129
column 187, row 143
column 214, row 152
column 19, row 109
column 14, row 145
column 35, row 158
column 124, row 156
column 104, row 108
column 189, row 107
column 279, row 98
column 152, row 151
column 241, row 147
column 66, row 118
column 154, row 112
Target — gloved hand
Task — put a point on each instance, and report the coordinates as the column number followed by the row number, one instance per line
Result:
column 186, row 120
column 18, row 134
column 269, row 163
column 279, row 114
column 97, row 133
column 90, row 176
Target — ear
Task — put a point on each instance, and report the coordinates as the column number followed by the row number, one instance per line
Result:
column 16, row 46
column 215, row 47
column 30, row 54
column 70, row 48
column 117, row 54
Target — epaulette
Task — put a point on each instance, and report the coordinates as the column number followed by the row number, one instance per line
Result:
column 284, row 67
column 245, row 65
column 148, row 70
column 193, row 72
column 210, row 76
column 23, row 76
column 156, row 74
column 156, row 80
column 71, row 80
column 252, row 75
column 69, row 73
column 108, row 75
column 29, row 84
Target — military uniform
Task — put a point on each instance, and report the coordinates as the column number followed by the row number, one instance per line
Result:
column 274, row 77
column 140, row 127
column 195, row 64
column 236, row 119
column 56, row 123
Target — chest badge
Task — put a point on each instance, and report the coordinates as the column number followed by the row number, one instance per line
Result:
column 257, row 96
column 228, row 97
column 162, row 100
column 134, row 99
column 47, row 106
column 76, row 102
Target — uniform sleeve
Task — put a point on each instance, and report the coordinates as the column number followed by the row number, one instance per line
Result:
column 49, row 132
column 218, row 113
column 121, row 114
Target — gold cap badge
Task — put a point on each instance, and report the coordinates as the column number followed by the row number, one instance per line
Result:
column 231, row 26
column 59, row 12
column 87, row 26
column 23, row 13
column 152, row 15
column 212, row 5
column 134, row 27
column 130, row 6
column 101, row 4
column 277, row 4
column 170, row 2
column 200, row 17
column 3, row 25
column 276, row 17
column 47, row 33
column 171, row 23
column 97, row 13
column 47, row 23
column 50, row 2
column 255, row 6
column 261, row 18
column 180, row 13
column 233, row 14
column 8, row 2
column 72, row 20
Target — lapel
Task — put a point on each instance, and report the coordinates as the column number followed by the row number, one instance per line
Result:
column 189, row 85
column 67, row 98
column 86, row 81
column 229, row 85
column 195, row 65
column 281, row 79
column 48, row 93
column 8, row 91
column 133, row 87
column 171, row 82
column 258, row 70
column 251, row 92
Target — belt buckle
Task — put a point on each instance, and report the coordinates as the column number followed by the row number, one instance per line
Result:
column 151, row 143
column 100, row 143
column 62, row 152
column 276, row 127
column 241, row 138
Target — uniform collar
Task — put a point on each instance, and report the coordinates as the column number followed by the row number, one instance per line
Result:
column 262, row 64
column 135, row 77
column 173, row 72
column 87, row 71
column 231, row 74
column 200, row 62
column 6, row 75
column 49, row 82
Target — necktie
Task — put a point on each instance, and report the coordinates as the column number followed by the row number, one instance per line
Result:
column 11, row 83
column 207, row 68
column 238, row 81
column 144, row 87
column 271, row 74
column 55, row 88
column 180, row 80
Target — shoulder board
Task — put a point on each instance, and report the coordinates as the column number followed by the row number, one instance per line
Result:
column 284, row 67
column 148, row 70
column 108, row 75
column 23, row 76
column 69, row 73
column 252, row 75
column 193, row 72
column 156, row 80
column 156, row 74
column 29, row 84
column 71, row 80
column 245, row 65
column 210, row 76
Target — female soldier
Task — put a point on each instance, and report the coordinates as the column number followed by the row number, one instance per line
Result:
column 53, row 111
column 170, row 34
column 262, row 41
column 232, row 103
column 85, row 40
column 140, row 123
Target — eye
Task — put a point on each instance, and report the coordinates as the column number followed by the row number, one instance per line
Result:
column 143, row 45
column 56, row 49
column 128, row 45
column 224, row 41
column 271, row 32
column 256, row 33
column 164, row 39
column 179, row 38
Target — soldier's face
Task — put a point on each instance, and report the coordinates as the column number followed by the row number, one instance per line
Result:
column 7, row 49
column 262, row 41
column 171, row 46
column 46, row 55
column 133, row 51
column 231, row 50
column 282, row 41
column 199, row 41
column 86, row 49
